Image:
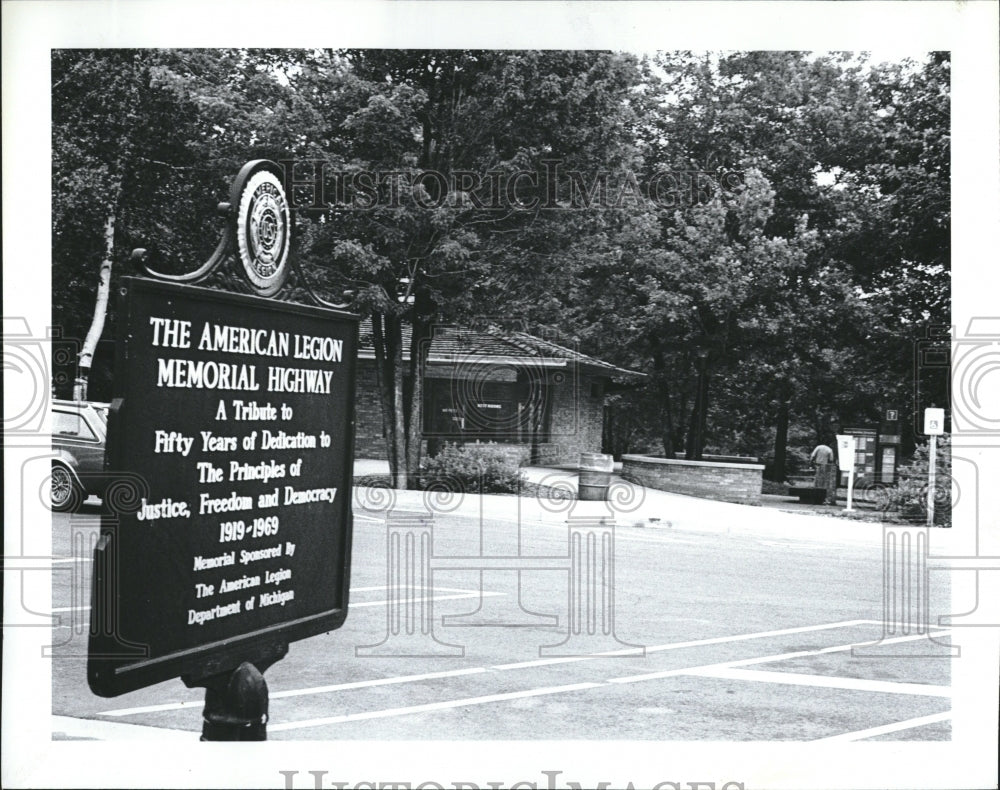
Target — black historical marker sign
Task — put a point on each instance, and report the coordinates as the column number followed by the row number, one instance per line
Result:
column 235, row 415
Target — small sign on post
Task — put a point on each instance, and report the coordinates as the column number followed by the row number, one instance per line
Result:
column 933, row 427
column 934, row 422
column 845, row 461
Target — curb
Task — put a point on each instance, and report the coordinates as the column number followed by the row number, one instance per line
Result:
column 656, row 510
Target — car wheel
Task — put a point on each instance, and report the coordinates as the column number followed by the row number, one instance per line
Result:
column 65, row 495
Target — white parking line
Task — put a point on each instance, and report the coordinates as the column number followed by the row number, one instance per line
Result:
column 380, row 587
column 503, row 667
column 155, row 708
column 431, row 706
column 464, row 594
column 466, row 701
column 358, row 684
column 824, row 681
column 91, row 729
column 715, row 640
column 885, row 729
column 427, row 598
column 761, row 660
column 377, row 520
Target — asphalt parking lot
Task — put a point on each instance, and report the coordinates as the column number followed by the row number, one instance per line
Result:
column 746, row 633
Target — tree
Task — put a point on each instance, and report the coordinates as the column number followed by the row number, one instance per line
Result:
column 140, row 136
column 432, row 225
column 810, row 248
column 92, row 149
column 822, row 343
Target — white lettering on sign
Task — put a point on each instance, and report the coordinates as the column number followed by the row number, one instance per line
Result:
column 323, row 348
column 286, row 441
column 219, row 610
column 204, row 590
column 244, row 458
column 278, row 576
column 280, row 379
column 242, row 340
column 253, row 411
column 206, row 374
column 224, row 505
column 206, row 563
column 171, row 332
column 275, row 598
column 217, row 444
column 293, row 497
column 264, row 471
column 247, row 557
column 164, row 509
column 172, row 442
column 243, row 583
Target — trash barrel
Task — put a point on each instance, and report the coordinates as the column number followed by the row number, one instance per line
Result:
column 595, row 476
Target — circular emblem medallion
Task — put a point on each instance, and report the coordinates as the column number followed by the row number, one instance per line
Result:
column 263, row 232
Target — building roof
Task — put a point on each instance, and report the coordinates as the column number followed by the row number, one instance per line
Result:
column 493, row 345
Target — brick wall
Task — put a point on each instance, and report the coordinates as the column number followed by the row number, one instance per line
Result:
column 577, row 418
column 576, row 421
column 368, row 439
column 725, row 482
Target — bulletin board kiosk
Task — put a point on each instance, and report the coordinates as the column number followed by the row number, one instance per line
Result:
column 876, row 450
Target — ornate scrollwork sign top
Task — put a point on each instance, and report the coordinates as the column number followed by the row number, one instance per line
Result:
column 258, row 235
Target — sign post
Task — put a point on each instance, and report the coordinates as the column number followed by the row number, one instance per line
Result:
column 845, row 462
column 235, row 413
column 933, row 427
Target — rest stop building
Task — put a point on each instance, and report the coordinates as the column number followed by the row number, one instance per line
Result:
column 539, row 400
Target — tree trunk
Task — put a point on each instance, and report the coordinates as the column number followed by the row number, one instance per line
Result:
column 383, row 379
column 100, row 305
column 681, row 437
column 398, row 461
column 780, row 468
column 663, row 395
column 419, row 348
column 703, row 415
column 387, row 339
column 699, row 417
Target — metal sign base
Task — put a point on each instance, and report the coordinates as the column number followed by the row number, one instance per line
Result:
column 236, row 701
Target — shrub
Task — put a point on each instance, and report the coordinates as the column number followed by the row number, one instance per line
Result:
column 773, row 487
column 909, row 497
column 473, row 468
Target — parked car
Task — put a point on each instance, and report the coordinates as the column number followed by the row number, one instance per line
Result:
column 79, row 433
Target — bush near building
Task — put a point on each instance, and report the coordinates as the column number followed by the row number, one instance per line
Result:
column 909, row 497
column 472, row 468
